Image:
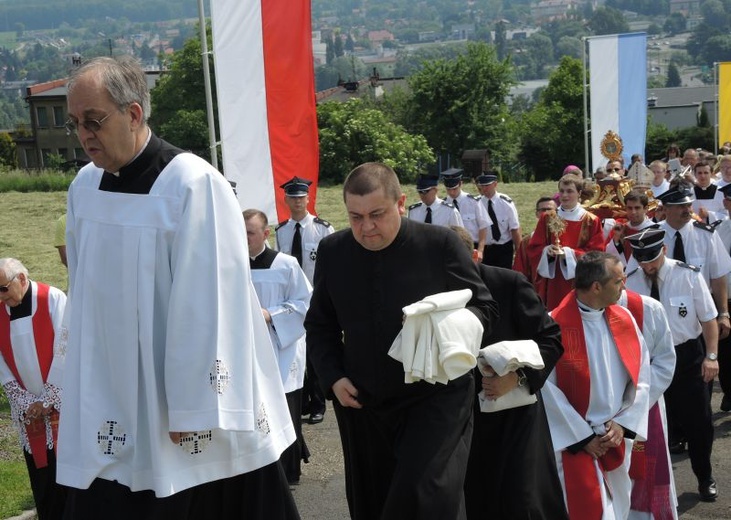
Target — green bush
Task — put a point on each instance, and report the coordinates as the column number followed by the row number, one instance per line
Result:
column 32, row 181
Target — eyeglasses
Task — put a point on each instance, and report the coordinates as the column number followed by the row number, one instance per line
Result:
column 543, row 210
column 90, row 125
column 613, row 169
column 5, row 288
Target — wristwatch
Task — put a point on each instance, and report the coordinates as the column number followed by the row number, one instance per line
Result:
column 522, row 379
column 712, row 356
column 723, row 315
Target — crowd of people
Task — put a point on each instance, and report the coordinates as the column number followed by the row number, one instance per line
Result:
column 542, row 376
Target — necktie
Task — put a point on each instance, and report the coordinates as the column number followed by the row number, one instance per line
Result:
column 455, row 204
column 654, row 289
column 297, row 244
column 428, row 216
column 679, row 250
column 493, row 217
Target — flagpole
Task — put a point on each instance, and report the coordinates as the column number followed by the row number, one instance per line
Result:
column 715, row 128
column 589, row 169
column 212, row 145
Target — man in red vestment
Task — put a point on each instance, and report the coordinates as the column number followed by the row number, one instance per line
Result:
column 557, row 243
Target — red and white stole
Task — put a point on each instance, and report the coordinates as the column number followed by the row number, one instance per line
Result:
column 573, row 378
column 43, row 335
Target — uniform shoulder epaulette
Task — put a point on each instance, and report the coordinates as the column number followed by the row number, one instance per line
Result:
column 280, row 224
column 715, row 224
column 653, row 226
column 633, row 271
column 704, row 226
column 448, row 204
column 415, row 205
column 691, row 267
column 322, row 222
column 475, row 197
column 506, row 198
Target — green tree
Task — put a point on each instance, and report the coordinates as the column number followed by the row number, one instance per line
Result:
column 673, row 76
column 8, row 157
column 352, row 133
column 714, row 14
column 553, row 131
column 179, row 101
column 607, row 20
column 460, row 104
column 501, row 42
column 674, row 24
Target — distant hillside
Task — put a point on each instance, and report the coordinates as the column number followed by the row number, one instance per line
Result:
column 50, row 14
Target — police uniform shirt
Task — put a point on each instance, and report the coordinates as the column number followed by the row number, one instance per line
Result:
column 683, row 293
column 507, row 217
column 703, row 248
column 442, row 213
column 723, row 230
column 630, row 264
column 312, row 230
column 473, row 213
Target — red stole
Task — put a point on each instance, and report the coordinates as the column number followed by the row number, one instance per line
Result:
column 637, row 466
column 573, row 378
column 43, row 336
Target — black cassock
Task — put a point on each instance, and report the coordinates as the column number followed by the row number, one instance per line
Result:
column 406, row 450
column 511, row 473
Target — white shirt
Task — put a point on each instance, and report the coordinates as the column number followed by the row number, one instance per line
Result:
column 724, row 233
column 657, row 190
column 507, row 217
column 473, row 213
column 442, row 213
column 702, row 248
column 312, row 230
column 714, row 205
column 165, row 334
column 683, row 293
column 284, row 291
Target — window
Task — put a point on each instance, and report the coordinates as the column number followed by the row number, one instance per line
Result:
column 45, row 154
column 64, row 152
column 30, row 158
column 58, row 117
column 79, row 153
column 42, row 115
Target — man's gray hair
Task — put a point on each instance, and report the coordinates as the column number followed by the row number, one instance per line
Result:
column 123, row 79
column 12, row 267
column 593, row 267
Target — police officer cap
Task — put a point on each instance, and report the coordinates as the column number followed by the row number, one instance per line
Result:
column 426, row 182
column 647, row 244
column 680, row 194
column 452, row 177
column 726, row 191
column 486, row 178
column 296, row 187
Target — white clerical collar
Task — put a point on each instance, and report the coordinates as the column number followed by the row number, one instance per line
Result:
column 585, row 308
column 147, row 141
column 257, row 255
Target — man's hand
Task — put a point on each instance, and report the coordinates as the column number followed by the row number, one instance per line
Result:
column 267, row 316
column 346, row 393
column 176, row 436
column 709, row 370
column 614, row 436
column 497, row 386
column 595, row 448
column 37, row 410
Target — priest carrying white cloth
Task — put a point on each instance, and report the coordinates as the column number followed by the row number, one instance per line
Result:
column 597, row 397
column 174, row 407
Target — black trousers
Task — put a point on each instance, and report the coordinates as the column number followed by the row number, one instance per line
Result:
column 406, row 459
column 724, row 364
column 297, row 452
column 688, row 404
column 313, row 399
column 260, row 494
column 48, row 496
column 499, row 255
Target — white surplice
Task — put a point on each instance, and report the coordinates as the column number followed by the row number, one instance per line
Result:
column 165, row 334
column 613, row 396
column 284, row 291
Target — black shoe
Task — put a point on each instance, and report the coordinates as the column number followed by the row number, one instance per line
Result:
column 316, row 418
column 676, row 448
column 707, row 490
column 726, row 404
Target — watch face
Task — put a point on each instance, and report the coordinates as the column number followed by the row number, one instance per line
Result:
column 712, row 357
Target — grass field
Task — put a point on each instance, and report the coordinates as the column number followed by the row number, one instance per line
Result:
column 26, row 232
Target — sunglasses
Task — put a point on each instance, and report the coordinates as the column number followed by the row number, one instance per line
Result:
column 5, row 288
column 91, row 125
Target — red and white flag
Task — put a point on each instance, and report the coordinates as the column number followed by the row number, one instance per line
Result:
column 266, row 98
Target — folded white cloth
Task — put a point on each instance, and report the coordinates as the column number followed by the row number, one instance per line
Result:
column 439, row 339
column 568, row 264
column 504, row 357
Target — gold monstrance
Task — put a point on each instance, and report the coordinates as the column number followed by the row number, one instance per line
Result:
column 556, row 226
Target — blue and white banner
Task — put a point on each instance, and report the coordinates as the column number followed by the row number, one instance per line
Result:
column 618, row 93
